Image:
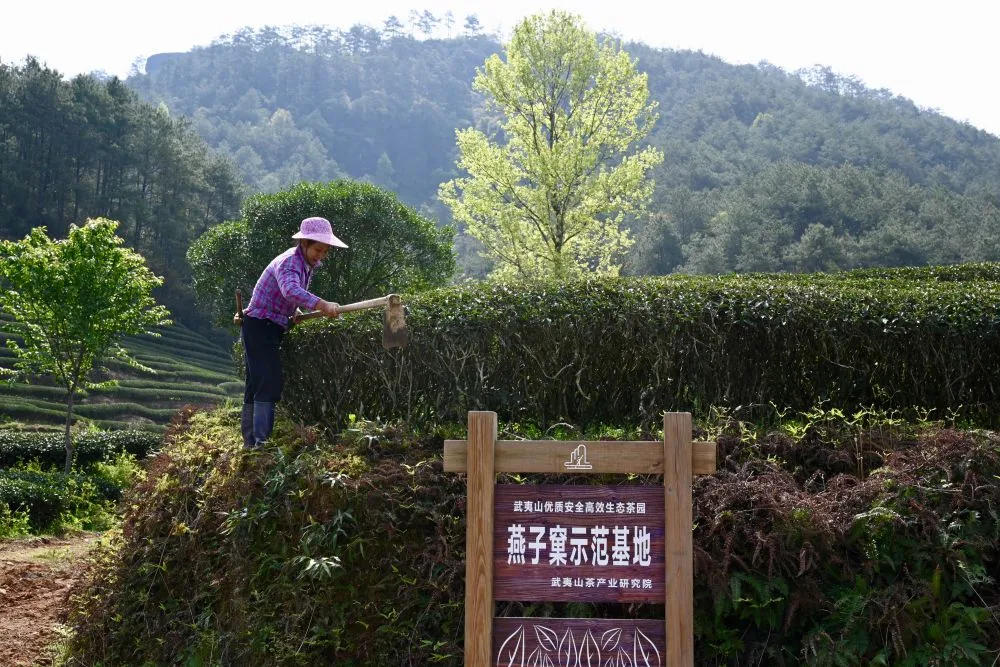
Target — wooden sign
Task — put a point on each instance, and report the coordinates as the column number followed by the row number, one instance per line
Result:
column 498, row 536
column 585, row 543
column 523, row 642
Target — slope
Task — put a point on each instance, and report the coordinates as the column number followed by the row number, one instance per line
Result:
column 186, row 369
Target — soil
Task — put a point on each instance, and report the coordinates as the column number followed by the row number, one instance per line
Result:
column 36, row 575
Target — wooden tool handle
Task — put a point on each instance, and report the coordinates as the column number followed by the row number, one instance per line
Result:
column 361, row 305
column 350, row 307
column 238, row 317
column 301, row 317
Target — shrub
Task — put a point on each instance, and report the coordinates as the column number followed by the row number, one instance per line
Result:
column 328, row 556
column 857, row 541
column 50, row 449
column 52, row 501
column 605, row 350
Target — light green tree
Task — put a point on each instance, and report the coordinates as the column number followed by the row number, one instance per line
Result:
column 552, row 200
column 73, row 300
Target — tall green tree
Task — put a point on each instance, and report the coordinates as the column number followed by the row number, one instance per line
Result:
column 552, row 199
column 73, row 300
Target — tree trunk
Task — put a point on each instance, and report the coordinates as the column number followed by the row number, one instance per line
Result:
column 69, row 440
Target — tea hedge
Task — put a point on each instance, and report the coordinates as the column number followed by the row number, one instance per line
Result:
column 175, row 393
column 49, row 448
column 614, row 349
column 34, row 410
column 47, row 496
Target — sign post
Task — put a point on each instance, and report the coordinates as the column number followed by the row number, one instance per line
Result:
column 579, row 543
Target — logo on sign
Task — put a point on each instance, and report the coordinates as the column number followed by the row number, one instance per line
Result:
column 578, row 459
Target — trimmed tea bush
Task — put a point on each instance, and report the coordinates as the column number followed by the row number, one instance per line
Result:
column 50, row 497
column 50, row 448
column 606, row 350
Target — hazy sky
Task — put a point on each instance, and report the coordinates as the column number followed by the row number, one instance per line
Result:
column 941, row 55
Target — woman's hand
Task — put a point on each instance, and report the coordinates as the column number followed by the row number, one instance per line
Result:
column 329, row 308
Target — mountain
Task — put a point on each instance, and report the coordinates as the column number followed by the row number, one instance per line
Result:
column 311, row 103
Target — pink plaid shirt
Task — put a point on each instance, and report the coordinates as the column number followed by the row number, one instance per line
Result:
column 283, row 287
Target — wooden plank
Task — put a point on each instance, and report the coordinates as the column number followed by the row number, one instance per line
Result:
column 680, row 576
column 641, row 457
column 520, row 642
column 479, row 539
column 559, row 542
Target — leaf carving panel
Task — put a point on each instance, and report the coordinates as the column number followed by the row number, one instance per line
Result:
column 578, row 642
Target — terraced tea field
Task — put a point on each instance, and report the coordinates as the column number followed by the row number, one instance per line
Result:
column 188, row 370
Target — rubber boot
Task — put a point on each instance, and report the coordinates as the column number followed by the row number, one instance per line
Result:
column 263, row 421
column 246, row 425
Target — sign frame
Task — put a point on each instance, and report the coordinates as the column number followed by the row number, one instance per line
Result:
column 677, row 458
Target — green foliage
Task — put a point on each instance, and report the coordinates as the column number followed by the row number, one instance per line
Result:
column 120, row 469
column 56, row 503
column 392, row 248
column 13, row 524
column 608, row 350
column 73, row 148
column 552, row 199
column 286, row 556
column 350, row 550
column 73, row 301
column 48, row 448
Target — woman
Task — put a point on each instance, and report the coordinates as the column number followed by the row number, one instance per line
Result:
column 281, row 288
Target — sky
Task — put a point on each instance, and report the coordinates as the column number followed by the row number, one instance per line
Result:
column 940, row 55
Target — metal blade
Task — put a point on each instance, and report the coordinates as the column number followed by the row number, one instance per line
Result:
column 394, row 331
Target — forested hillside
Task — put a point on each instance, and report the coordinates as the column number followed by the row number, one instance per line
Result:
column 85, row 148
column 764, row 170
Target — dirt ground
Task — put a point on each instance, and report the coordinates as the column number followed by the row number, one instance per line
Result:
column 36, row 575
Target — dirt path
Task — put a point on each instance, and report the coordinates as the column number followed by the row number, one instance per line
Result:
column 35, row 577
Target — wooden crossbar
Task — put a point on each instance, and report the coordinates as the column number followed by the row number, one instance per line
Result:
column 640, row 457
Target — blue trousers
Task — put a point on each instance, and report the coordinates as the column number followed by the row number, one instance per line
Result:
column 264, row 378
